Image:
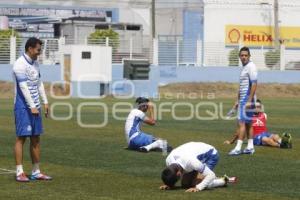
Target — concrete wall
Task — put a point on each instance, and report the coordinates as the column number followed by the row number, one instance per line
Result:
column 159, row 75
column 49, row 73
column 173, row 74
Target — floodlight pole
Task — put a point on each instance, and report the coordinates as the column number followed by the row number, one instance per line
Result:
column 153, row 17
column 276, row 25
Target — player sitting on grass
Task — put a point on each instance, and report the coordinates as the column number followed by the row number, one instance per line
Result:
column 193, row 163
column 138, row 140
column 261, row 136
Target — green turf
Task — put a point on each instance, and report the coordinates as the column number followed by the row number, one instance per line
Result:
column 93, row 164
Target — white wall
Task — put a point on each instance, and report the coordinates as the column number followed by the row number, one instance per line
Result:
column 219, row 13
column 169, row 21
column 137, row 16
column 98, row 68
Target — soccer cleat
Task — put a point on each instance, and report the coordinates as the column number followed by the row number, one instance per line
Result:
column 235, row 152
column 286, row 141
column 143, row 149
column 169, row 148
column 40, row 176
column 22, row 178
column 248, row 151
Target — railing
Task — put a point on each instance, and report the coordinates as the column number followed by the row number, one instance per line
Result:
column 166, row 50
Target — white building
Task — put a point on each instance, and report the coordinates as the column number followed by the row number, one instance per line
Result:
column 229, row 23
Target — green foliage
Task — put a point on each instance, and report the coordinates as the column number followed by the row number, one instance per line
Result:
column 5, row 44
column 272, row 58
column 99, row 37
column 234, row 57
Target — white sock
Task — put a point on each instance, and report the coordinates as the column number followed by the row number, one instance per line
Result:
column 218, row 182
column 35, row 168
column 238, row 146
column 279, row 141
column 19, row 169
column 250, row 144
column 154, row 145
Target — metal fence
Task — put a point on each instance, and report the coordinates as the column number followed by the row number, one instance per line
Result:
column 166, row 50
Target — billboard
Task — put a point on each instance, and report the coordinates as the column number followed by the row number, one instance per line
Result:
column 258, row 36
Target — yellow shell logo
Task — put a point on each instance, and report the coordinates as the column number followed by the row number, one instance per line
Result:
column 234, row 36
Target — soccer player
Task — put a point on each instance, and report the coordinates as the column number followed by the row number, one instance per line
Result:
column 27, row 109
column 187, row 162
column 245, row 102
column 136, row 139
column 261, row 135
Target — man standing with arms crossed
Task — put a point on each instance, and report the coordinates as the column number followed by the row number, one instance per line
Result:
column 246, row 103
column 27, row 109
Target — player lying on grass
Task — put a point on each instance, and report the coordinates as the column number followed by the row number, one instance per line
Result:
column 193, row 163
column 138, row 140
column 261, row 135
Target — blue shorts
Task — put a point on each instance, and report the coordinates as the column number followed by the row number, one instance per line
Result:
column 210, row 159
column 27, row 124
column 245, row 115
column 257, row 140
column 142, row 139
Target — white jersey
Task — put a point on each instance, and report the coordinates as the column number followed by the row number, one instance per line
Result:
column 26, row 70
column 247, row 77
column 133, row 122
column 191, row 156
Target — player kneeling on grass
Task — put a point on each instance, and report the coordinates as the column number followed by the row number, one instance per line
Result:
column 138, row 140
column 193, row 163
column 261, row 135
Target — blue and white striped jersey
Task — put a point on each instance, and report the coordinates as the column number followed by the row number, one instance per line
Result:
column 26, row 70
column 133, row 121
column 248, row 76
column 191, row 156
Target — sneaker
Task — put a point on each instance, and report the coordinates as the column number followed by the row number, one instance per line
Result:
column 22, row 178
column 143, row 149
column 234, row 152
column 248, row 151
column 40, row 176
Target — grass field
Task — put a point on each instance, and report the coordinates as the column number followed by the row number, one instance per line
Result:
column 91, row 163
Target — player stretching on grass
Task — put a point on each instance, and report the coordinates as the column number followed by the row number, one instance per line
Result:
column 136, row 139
column 27, row 109
column 261, row 135
column 193, row 163
column 245, row 103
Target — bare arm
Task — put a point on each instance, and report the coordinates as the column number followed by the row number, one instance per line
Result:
column 252, row 92
column 234, row 137
column 150, row 119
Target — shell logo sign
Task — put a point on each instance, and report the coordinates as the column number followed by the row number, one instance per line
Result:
column 257, row 36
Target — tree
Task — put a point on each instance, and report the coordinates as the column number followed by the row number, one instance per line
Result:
column 99, row 37
column 234, row 57
column 5, row 44
column 272, row 58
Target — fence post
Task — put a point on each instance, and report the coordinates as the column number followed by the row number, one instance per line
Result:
column 177, row 52
column 13, row 50
column 282, row 57
column 107, row 41
column 155, row 51
column 130, row 48
column 199, row 53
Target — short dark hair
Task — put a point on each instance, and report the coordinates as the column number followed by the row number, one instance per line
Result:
column 245, row 49
column 141, row 100
column 32, row 42
column 258, row 101
column 169, row 175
